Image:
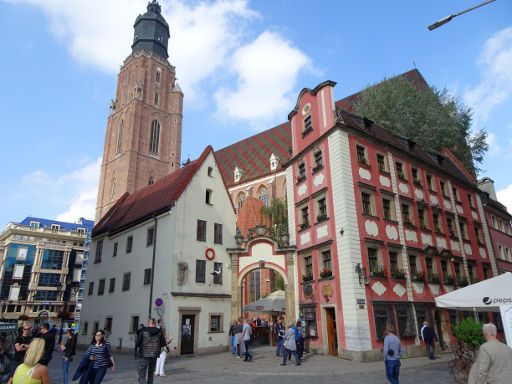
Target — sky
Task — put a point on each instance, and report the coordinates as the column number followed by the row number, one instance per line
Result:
column 241, row 65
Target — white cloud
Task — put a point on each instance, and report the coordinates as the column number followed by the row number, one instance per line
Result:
column 77, row 190
column 505, row 197
column 495, row 62
column 267, row 71
column 99, row 33
column 494, row 147
column 208, row 38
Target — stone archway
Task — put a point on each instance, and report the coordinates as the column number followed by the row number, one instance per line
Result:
column 257, row 253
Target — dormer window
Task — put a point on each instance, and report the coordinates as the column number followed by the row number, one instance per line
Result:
column 55, row 227
column 274, row 162
column 308, row 120
column 237, row 174
column 80, row 231
column 34, row 224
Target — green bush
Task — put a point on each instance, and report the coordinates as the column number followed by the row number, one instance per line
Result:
column 470, row 332
column 469, row 338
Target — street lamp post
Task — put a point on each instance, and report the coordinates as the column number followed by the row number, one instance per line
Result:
column 448, row 18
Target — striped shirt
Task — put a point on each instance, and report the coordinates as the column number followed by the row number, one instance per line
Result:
column 101, row 353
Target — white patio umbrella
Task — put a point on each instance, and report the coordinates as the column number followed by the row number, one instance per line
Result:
column 489, row 295
column 274, row 302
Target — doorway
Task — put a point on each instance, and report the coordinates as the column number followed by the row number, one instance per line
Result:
column 332, row 336
column 187, row 334
column 439, row 329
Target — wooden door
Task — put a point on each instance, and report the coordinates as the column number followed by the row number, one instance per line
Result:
column 332, row 337
column 187, row 334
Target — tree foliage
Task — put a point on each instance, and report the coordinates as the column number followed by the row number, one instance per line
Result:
column 276, row 214
column 430, row 117
column 469, row 338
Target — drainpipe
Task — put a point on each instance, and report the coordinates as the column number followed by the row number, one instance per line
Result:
column 152, row 266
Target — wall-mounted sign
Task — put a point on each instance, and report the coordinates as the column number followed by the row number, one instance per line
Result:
column 361, row 301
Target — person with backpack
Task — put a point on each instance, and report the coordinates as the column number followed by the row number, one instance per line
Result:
column 67, row 347
column 149, row 344
column 299, row 338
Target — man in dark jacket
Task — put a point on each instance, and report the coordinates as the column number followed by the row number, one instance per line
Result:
column 429, row 337
column 149, row 343
column 49, row 343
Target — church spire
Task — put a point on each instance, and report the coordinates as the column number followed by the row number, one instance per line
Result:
column 151, row 31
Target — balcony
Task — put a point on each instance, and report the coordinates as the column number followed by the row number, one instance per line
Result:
column 325, row 273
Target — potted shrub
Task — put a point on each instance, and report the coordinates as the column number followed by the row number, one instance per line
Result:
column 469, row 338
column 433, row 278
column 462, row 282
column 448, row 280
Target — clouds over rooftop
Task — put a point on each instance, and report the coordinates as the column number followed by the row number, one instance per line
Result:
column 208, row 39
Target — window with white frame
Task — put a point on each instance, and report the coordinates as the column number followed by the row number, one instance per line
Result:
column 317, row 159
column 18, row 271
column 406, row 212
column 367, row 202
column 21, row 253
column 361, row 154
column 34, row 224
column 304, row 217
column 308, row 267
column 381, row 163
column 321, row 208
column 216, row 322
column 263, row 196
column 14, row 292
column 388, row 207
column 400, row 170
column 55, row 227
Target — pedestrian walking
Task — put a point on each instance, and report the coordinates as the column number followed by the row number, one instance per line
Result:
column 392, row 353
column 100, row 356
column 238, row 338
column 6, row 361
column 280, row 331
column 31, row 371
column 429, row 338
column 232, row 337
column 494, row 362
column 68, row 351
column 149, row 342
column 246, row 337
column 49, row 339
column 290, row 345
column 21, row 344
column 299, row 338
column 160, row 362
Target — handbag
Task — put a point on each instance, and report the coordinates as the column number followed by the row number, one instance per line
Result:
column 110, row 364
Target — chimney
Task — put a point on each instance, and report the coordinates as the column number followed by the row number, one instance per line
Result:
column 487, row 185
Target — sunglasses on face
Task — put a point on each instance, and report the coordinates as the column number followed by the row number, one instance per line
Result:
column 26, row 329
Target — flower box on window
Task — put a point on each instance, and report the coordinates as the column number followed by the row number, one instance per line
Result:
column 320, row 218
column 397, row 274
column 462, row 282
column 449, row 280
column 401, row 175
column 306, row 278
column 378, row 271
column 433, row 278
column 325, row 273
column 419, row 276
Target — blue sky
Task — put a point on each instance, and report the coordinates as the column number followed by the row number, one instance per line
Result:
column 241, row 65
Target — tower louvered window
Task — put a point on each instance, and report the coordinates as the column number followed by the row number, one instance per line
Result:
column 119, row 137
column 155, row 137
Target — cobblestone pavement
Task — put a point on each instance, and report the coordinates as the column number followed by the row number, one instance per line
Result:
column 224, row 368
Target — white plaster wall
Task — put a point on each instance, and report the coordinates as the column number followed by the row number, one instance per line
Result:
column 356, row 323
column 176, row 242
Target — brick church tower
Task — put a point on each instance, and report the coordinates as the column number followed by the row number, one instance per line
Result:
column 143, row 138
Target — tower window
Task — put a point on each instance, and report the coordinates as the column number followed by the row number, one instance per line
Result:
column 158, row 75
column 155, row 137
column 119, row 140
column 157, row 98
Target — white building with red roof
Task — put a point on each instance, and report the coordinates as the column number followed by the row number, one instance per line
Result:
column 161, row 252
